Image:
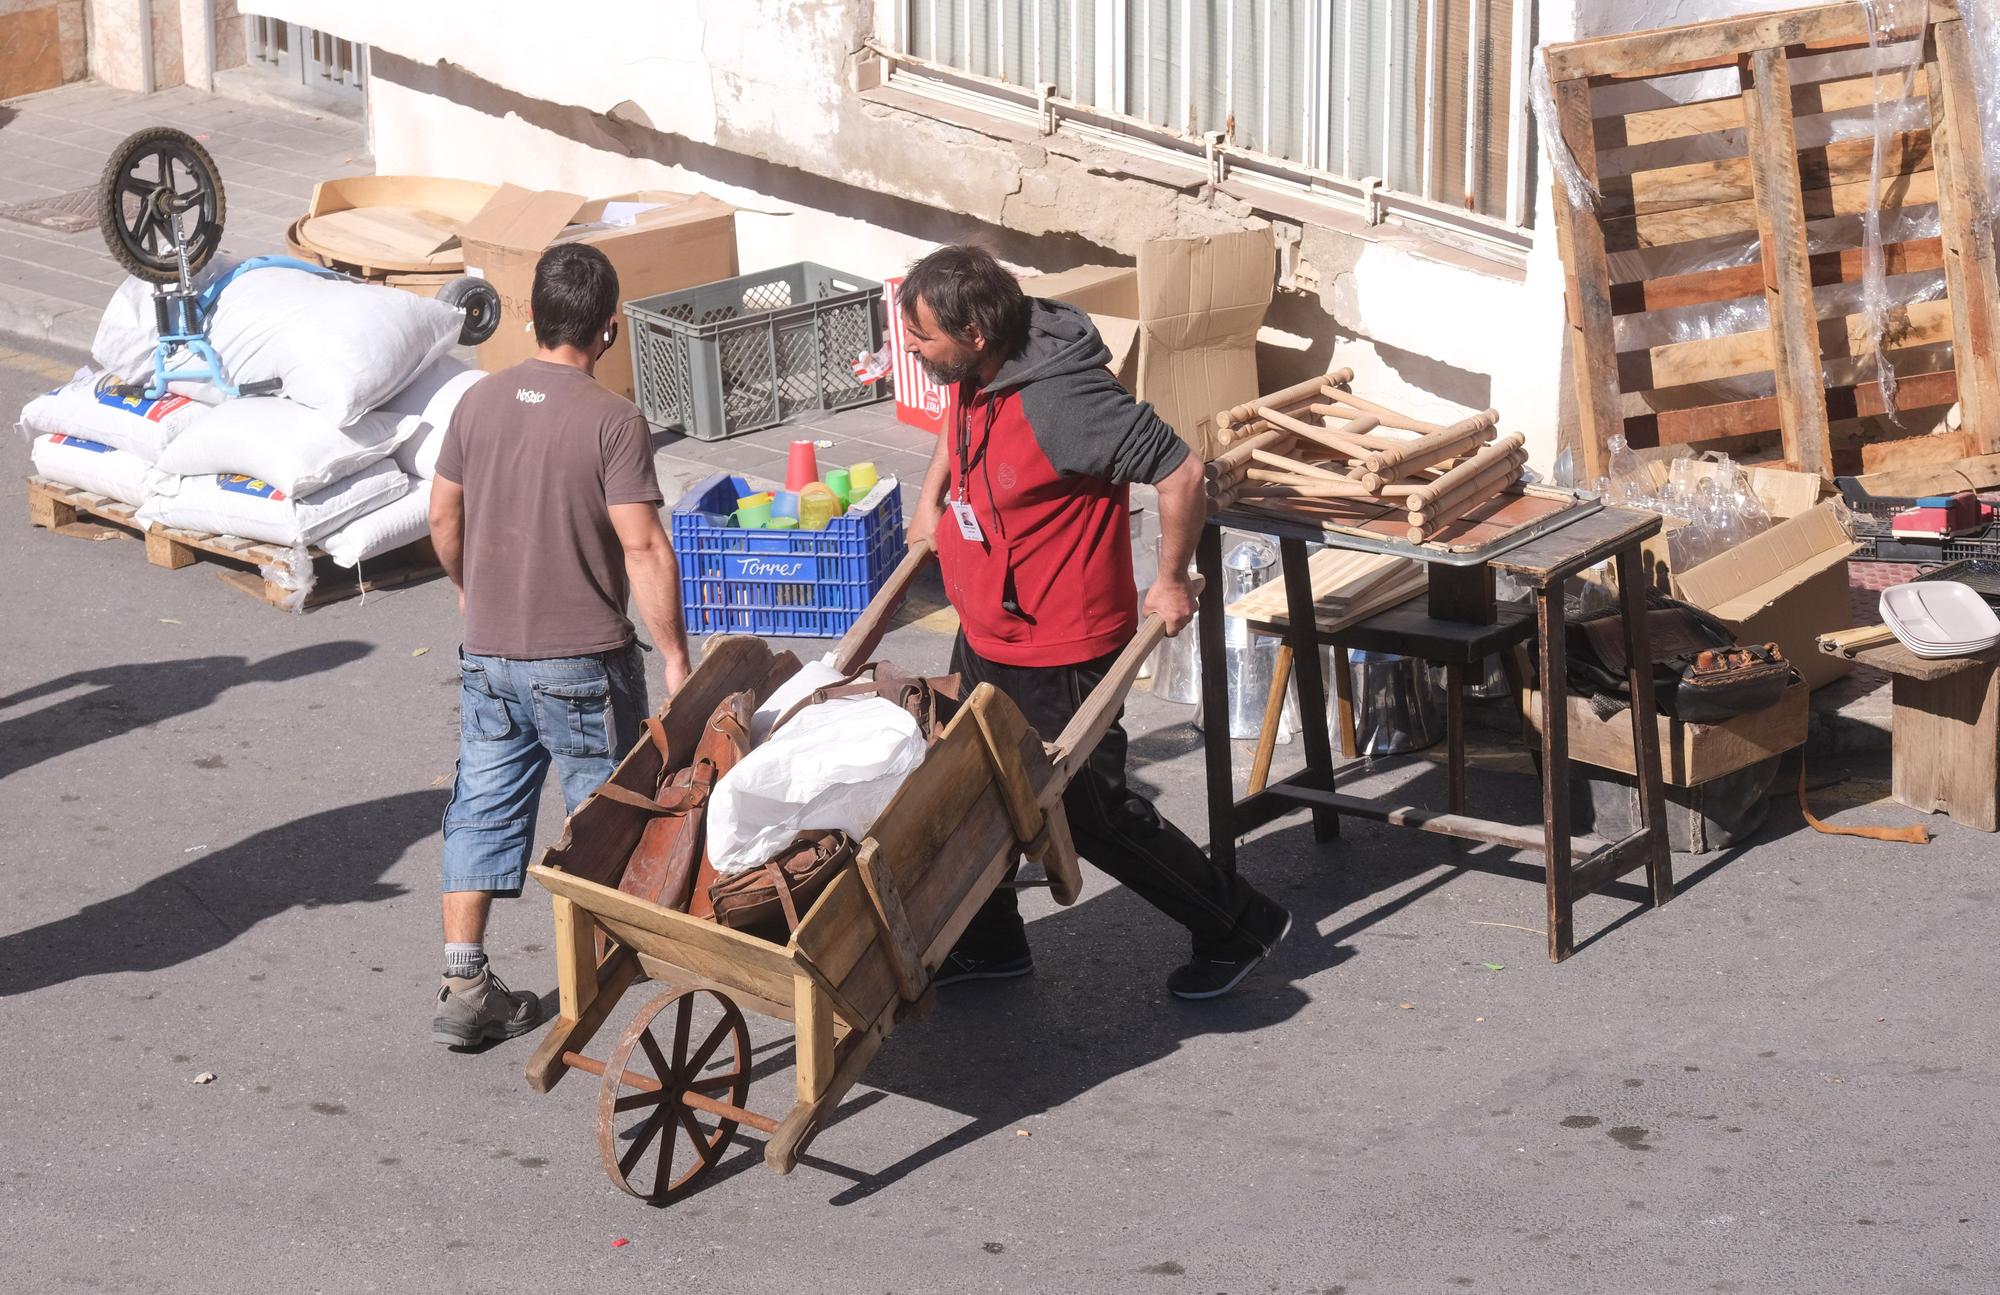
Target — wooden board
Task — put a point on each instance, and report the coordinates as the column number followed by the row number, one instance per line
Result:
column 1771, row 191
column 1346, row 586
column 58, row 507
column 384, row 239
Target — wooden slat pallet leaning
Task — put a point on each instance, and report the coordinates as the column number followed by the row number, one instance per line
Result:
column 863, row 956
column 59, row 508
column 1655, row 206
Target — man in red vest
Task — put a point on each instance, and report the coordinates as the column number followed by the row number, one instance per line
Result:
column 1027, row 501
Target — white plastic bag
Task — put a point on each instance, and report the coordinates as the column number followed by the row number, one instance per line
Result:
column 89, row 465
column 340, row 347
column 87, row 406
column 811, row 677
column 832, row 766
column 232, row 504
column 385, row 529
column 297, row 449
column 430, row 400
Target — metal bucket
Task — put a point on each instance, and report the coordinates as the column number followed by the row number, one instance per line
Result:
column 1398, row 703
column 1250, row 661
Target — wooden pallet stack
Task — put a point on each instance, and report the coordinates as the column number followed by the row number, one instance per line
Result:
column 1316, row 443
column 1733, row 94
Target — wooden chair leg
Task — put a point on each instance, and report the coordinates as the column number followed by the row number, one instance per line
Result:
column 1553, row 697
column 1274, row 719
column 1645, row 731
column 1343, row 692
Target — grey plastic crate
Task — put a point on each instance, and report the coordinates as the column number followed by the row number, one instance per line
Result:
column 743, row 353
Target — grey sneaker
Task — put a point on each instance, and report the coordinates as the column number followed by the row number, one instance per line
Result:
column 470, row 1011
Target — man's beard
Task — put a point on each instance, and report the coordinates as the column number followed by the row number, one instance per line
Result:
column 949, row 375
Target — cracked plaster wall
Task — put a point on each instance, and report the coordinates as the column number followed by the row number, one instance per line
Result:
column 751, row 102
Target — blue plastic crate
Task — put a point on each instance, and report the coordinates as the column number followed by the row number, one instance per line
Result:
column 790, row 584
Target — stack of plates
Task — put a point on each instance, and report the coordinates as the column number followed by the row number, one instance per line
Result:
column 1939, row 618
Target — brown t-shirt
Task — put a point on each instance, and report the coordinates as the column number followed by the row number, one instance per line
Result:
column 542, row 452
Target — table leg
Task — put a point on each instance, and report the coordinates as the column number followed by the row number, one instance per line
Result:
column 1215, row 702
column 1454, row 727
column 1552, row 698
column 1303, row 631
column 1645, row 731
column 1274, row 719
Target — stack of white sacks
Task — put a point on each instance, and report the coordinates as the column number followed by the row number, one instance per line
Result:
column 341, row 459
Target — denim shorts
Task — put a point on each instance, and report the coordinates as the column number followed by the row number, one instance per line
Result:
column 515, row 718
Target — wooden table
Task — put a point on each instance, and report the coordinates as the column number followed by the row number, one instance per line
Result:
column 1457, row 622
column 1946, row 742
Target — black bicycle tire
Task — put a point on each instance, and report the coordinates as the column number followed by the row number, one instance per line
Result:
column 110, row 207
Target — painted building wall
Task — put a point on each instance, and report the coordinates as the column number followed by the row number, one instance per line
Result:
column 752, row 102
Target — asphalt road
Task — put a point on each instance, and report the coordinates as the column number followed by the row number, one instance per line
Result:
column 221, row 856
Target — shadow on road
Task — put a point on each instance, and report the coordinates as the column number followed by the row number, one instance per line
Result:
column 127, row 697
column 337, row 856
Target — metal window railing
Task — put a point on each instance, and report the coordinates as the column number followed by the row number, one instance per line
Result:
column 1416, row 109
column 306, row 56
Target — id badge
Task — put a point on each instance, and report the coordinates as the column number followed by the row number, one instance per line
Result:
column 968, row 521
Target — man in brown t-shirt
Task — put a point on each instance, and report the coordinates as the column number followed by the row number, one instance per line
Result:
column 545, row 514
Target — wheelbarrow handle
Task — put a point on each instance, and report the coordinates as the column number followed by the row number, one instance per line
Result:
column 1086, row 728
column 857, row 647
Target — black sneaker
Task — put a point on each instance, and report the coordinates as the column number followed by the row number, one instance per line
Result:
column 1208, row 976
column 959, row 966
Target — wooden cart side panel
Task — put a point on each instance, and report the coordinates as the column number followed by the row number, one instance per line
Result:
column 730, row 957
column 839, row 937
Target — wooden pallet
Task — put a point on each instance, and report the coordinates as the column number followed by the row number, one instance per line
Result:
column 60, row 508
column 1768, row 188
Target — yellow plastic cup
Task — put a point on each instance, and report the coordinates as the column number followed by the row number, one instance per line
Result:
column 817, row 507
column 861, row 479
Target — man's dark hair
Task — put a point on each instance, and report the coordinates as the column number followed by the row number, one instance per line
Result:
column 965, row 287
column 576, row 290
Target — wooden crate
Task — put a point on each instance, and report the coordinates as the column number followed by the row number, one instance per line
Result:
column 60, row 508
column 1690, row 754
column 1754, row 181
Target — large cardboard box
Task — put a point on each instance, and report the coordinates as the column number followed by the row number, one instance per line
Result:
column 1182, row 325
column 1786, row 586
column 657, row 241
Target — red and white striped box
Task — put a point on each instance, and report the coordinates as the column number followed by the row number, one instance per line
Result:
column 919, row 401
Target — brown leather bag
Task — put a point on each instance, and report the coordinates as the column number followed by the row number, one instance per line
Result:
column 668, row 864
column 931, row 700
column 768, row 900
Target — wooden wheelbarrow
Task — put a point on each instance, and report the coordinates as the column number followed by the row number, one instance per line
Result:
column 863, row 955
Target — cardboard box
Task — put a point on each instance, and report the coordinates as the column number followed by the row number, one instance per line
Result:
column 1786, row 586
column 1690, row 754
column 1182, row 325
column 681, row 241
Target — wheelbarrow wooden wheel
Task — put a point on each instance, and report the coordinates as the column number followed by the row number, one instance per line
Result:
column 708, row 1059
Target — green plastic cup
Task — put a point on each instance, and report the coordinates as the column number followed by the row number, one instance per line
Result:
column 838, row 481
column 755, row 517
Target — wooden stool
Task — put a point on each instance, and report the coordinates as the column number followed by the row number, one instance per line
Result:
column 1946, row 744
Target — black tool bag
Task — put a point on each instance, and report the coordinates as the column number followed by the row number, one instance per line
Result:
column 1701, row 675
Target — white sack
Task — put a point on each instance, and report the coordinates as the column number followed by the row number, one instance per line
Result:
column 811, row 677
column 232, row 504
column 297, row 449
column 341, row 347
column 396, row 523
column 832, row 766
column 87, row 407
column 125, row 336
column 430, row 399
column 88, row 465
